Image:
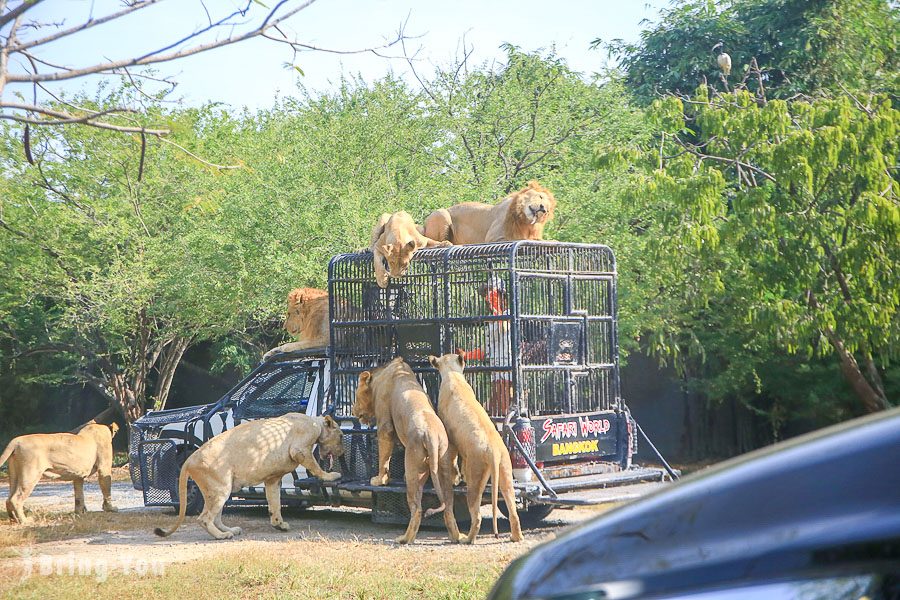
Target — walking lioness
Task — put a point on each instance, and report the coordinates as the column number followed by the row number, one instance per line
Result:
column 66, row 456
column 473, row 435
column 254, row 452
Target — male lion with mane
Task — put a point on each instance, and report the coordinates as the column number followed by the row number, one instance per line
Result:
column 520, row 216
column 307, row 321
column 66, row 456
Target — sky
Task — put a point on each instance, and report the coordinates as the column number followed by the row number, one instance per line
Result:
column 253, row 73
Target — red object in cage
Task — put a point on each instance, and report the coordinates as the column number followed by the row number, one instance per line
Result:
column 524, row 432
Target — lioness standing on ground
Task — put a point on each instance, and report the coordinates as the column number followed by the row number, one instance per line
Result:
column 256, row 451
column 474, row 436
column 66, row 456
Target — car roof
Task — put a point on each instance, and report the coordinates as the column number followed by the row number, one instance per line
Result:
column 813, row 504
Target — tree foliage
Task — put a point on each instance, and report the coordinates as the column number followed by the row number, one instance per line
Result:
column 800, row 46
column 122, row 263
column 89, row 272
column 775, row 228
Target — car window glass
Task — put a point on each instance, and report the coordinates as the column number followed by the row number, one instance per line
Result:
column 287, row 392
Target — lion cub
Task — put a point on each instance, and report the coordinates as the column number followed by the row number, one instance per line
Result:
column 395, row 239
column 253, row 452
column 473, row 435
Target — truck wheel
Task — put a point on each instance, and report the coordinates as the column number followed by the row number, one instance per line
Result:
column 533, row 516
column 194, row 496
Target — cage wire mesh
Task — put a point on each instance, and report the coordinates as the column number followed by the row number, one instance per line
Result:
column 160, row 468
column 536, row 321
column 286, row 389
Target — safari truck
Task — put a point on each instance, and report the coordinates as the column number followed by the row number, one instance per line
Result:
column 536, row 322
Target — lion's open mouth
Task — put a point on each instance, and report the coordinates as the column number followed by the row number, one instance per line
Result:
column 537, row 213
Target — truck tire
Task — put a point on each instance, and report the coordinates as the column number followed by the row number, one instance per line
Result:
column 533, row 516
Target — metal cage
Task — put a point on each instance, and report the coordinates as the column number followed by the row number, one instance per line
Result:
column 537, row 321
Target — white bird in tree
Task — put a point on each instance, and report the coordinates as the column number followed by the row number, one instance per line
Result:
column 722, row 58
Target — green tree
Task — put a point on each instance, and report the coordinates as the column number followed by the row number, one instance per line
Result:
column 775, row 228
column 800, row 46
column 112, row 258
column 88, row 231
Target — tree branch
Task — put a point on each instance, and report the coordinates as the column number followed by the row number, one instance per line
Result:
column 27, row 237
column 155, row 56
column 83, row 26
column 64, row 118
column 195, row 157
column 18, row 11
column 732, row 161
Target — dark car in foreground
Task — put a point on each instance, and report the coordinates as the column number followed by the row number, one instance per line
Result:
column 814, row 517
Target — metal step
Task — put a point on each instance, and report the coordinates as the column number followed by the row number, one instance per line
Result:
column 606, row 480
column 609, row 495
column 399, row 488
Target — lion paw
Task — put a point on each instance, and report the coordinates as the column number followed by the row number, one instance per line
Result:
column 109, row 507
column 282, row 526
column 378, row 480
column 333, row 476
column 80, row 509
column 445, row 243
column 402, row 540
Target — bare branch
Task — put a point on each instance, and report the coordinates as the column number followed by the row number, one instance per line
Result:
column 62, row 118
column 155, row 56
column 83, row 26
column 18, row 11
column 376, row 50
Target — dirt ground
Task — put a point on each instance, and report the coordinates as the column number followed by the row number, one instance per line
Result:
column 59, row 540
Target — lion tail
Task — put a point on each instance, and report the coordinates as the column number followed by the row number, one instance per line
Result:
column 495, row 478
column 182, row 503
column 10, row 448
column 433, row 461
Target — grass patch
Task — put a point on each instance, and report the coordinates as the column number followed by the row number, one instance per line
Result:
column 13, row 537
column 301, row 570
column 54, row 526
